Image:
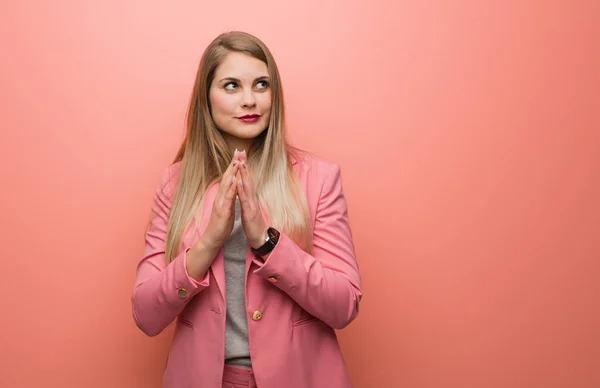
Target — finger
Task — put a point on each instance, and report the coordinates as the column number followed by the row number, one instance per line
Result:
column 227, row 176
column 233, row 165
column 247, row 183
column 226, row 183
column 231, row 188
column 241, row 193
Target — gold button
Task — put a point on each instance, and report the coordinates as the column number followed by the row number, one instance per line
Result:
column 272, row 279
column 182, row 293
column 257, row 315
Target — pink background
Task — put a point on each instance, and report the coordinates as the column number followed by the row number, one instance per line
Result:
column 469, row 138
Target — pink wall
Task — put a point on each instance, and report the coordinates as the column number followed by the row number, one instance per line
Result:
column 468, row 134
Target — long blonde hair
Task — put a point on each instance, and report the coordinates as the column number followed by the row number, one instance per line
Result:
column 205, row 155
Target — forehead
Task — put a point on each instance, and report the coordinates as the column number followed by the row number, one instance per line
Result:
column 241, row 66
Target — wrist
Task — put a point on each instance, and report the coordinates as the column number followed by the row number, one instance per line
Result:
column 198, row 260
column 268, row 244
column 258, row 242
column 205, row 245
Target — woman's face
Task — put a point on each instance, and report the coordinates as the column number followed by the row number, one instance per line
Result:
column 240, row 97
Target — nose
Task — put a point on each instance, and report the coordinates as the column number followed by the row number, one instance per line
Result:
column 248, row 100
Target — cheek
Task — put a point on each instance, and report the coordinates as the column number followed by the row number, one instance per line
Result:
column 221, row 104
column 265, row 101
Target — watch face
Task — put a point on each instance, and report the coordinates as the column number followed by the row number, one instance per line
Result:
column 273, row 235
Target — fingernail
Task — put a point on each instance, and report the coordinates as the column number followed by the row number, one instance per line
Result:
column 244, row 153
column 240, row 182
column 236, row 153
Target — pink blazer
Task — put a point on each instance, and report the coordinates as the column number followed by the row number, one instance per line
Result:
column 294, row 300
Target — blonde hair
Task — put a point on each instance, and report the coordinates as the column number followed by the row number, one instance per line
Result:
column 204, row 155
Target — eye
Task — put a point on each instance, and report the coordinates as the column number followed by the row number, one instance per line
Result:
column 230, row 86
column 262, row 84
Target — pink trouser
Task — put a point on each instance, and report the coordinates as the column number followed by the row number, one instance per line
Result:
column 235, row 377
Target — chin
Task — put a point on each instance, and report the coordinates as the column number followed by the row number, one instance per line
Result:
column 248, row 133
column 244, row 131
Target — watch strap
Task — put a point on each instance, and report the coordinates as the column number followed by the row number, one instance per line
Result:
column 269, row 245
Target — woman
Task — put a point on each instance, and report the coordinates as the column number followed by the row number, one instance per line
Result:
column 249, row 247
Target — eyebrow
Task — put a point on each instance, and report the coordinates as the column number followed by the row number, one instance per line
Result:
column 264, row 77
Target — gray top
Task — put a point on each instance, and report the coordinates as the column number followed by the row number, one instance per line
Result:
column 237, row 350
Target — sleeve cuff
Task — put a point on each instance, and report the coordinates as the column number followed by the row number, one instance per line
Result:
column 204, row 282
column 183, row 286
column 278, row 264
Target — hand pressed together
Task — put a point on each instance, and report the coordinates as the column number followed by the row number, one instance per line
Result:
column 253, row 222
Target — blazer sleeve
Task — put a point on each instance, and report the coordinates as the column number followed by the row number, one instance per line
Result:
column 326, row 284
column 161, row 291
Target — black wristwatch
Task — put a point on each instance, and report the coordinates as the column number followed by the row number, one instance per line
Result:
column 270, row 242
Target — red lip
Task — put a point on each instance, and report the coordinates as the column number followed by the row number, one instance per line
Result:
column 254, row 116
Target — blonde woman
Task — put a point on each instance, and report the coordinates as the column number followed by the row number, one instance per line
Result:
column 249, row 247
